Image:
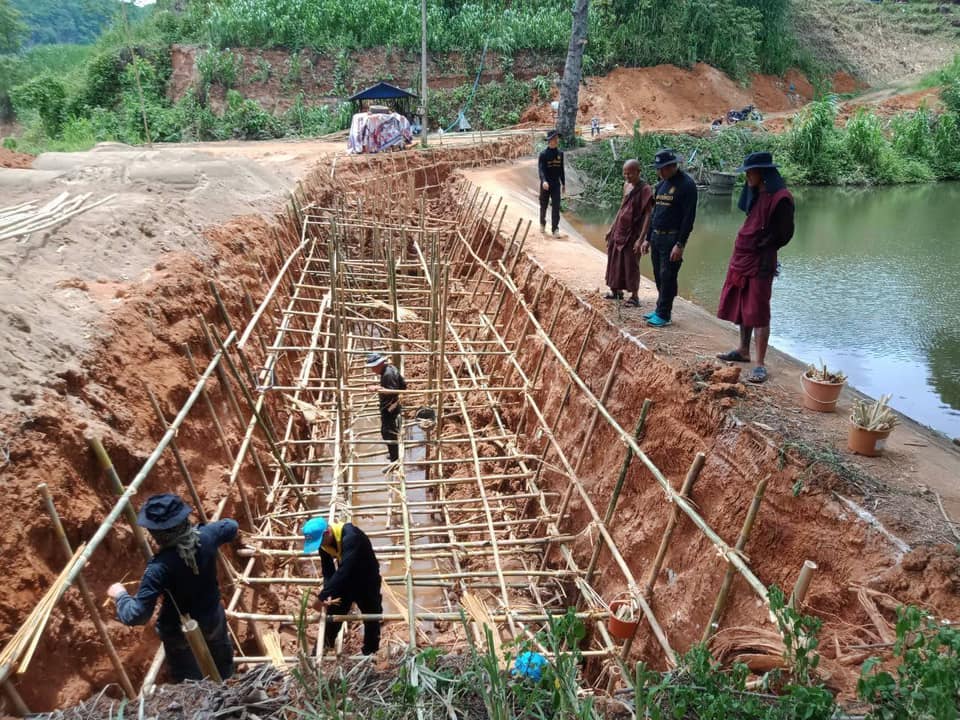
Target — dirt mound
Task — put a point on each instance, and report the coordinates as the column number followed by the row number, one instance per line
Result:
column 12, row 159
column 669, row 97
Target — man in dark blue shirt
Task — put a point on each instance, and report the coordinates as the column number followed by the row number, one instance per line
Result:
column 184, row 572
column 552, row 182
column 674, row 210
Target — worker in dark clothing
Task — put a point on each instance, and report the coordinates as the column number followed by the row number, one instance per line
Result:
column 674, row 210
column 354, row 579
column 390, row 408
column 553, row 182
column 184, row 572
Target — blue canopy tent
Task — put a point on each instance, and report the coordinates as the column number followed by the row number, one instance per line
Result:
column 384, row 94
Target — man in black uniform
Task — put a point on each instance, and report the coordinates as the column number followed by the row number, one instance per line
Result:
column 674, row 210
column 552, row 182
column 390, row 408
column 354, row 579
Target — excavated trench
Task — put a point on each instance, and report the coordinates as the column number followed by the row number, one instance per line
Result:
column 861, row 572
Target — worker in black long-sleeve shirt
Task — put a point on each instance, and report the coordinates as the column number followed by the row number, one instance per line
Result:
column 354, row 579
column 552, row 182
column 390, row 407
column 674, row 210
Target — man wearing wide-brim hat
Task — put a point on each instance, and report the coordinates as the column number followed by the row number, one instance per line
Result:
column 184, row 573
column 745, row 297
column 390, row 408
column 674, row 211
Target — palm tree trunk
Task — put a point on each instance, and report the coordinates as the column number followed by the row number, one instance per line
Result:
column 573, row 71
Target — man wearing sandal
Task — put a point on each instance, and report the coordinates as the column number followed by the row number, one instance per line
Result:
column 745, row 297
column 626, row 234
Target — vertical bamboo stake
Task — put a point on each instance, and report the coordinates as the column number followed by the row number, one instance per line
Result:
column 617, row 488
column 86, row 594
column 201, row 652
column 803, row 584
column 692, row 474
column 107, row 464
column 181, row 465
column 210, row 407
column 721, row 603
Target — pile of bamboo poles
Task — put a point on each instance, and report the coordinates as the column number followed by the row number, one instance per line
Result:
column 27, row 217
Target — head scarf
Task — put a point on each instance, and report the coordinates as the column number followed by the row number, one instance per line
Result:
column 185, row 538
column 772, row 182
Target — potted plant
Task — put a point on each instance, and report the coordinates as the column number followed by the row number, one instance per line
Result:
column 624, row 618
column 821, row 387
column 870, row 425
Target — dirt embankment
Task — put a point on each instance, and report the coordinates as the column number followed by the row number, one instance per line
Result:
column 275, row 77
column 667, row 97
column 12, row 159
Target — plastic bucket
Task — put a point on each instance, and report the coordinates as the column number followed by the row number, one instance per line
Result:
column 820, row 396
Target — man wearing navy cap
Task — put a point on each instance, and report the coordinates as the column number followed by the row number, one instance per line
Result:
column 553, row 182
column 674, row 210
column 354, row 579
column 390, row 408
column 745, row 297
column 184, row 572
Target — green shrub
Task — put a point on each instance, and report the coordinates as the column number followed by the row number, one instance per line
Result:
column 247, row 120
column 221, row 67
column 926, row 683
column 46, row 95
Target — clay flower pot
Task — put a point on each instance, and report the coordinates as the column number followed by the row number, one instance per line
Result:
column 867, row 442
column 818, row 395
column 621, row 629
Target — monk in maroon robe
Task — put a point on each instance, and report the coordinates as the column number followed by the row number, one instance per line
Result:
column 745, row 297
column 626, row 235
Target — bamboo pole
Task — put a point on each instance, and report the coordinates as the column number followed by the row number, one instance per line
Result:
column 198, row 645
column 86, row 594
column 720, row 605
column 181, row 465
column 617, row 488
column 692, row 474
column 16, row 700
column 128, row 510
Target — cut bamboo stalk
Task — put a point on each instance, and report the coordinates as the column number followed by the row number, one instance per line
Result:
column 802, row 585
column 198, row 645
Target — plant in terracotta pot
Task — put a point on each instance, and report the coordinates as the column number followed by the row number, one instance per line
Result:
column 821, row 387
column 870, row 425
column 624, row 618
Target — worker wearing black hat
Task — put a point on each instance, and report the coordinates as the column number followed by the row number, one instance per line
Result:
column 390, row 408
column 553, row 182
column 184, row 572
column 674, row 210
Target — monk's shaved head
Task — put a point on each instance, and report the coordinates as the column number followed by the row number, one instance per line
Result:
column 631, row 164
column 631, row 171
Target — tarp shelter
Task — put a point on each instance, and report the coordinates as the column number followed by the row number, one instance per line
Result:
column 376, row 132
column 384, row 94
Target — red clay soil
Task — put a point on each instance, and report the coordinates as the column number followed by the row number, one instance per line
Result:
column 667, row 96
column 12, row 159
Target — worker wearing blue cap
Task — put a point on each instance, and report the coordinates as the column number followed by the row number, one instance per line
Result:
column 184, row 572
column 351, row 575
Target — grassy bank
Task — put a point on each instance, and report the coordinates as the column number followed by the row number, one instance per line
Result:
column 915, row 146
